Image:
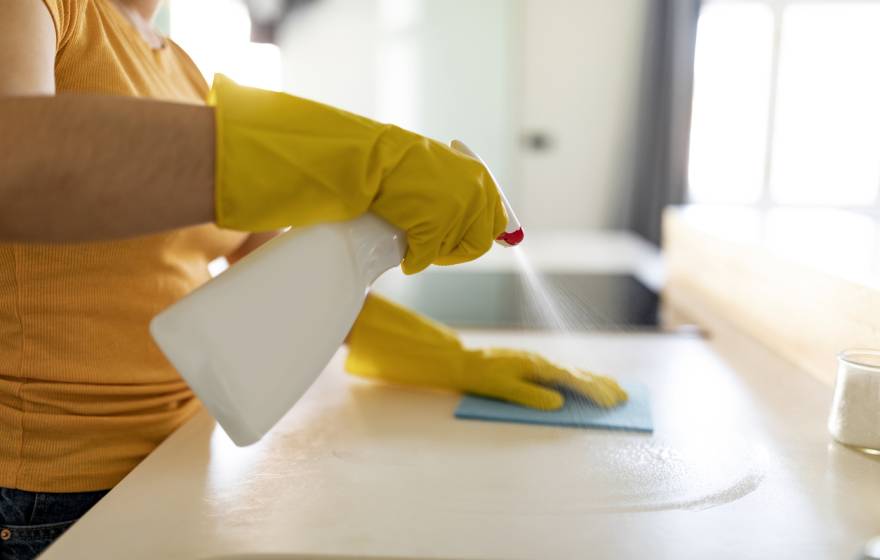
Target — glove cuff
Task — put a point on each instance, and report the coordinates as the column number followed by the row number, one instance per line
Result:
column 393, row 343
column 282, row 160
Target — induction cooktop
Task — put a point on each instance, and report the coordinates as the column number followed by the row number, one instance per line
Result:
column 501, row 300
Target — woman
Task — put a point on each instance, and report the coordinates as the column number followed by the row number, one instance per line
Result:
column 118, row 184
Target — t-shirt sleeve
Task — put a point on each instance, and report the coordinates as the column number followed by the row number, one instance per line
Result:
column 63, row 13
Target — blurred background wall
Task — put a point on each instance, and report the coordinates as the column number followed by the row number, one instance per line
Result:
column 545, row 90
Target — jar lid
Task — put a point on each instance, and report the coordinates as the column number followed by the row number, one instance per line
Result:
column 861, row 357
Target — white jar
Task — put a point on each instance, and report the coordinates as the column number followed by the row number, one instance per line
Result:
column 855, row 412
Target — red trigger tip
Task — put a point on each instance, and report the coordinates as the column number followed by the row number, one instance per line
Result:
column 512, row 238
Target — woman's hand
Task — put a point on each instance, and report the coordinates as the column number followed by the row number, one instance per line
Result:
column 286, row 161
column 391, row 343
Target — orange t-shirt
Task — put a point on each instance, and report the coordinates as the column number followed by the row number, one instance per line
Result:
column 84, row 393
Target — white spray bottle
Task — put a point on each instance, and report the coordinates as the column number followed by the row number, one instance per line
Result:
column 251, row 341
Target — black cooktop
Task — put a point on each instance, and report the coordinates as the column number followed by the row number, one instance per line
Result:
column 577, row 302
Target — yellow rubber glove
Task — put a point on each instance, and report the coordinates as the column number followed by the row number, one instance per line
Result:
column 286, row 161
column 391, row 343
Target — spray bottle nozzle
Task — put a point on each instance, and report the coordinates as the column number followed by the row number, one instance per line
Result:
column 511, row 239
column 513, row 234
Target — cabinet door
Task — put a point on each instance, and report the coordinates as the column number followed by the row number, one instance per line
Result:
column 581, row 66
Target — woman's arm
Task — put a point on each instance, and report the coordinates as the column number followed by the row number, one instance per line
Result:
column 86, row 167
column 27, row 49
column 82, row 167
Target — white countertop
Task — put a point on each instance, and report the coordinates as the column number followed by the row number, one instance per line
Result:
column 740, row 466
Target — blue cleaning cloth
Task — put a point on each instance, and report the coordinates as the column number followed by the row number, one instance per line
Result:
column 578, row 412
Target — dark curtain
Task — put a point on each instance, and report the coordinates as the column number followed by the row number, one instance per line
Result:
column 661, row 153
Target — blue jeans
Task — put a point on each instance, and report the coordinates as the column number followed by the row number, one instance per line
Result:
column 30, row 521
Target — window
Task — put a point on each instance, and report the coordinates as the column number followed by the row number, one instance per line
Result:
column 787, row 104
column 732, row 70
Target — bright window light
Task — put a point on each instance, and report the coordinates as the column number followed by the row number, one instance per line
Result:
column 216, row 34
column 732, row 79
column 826, row 147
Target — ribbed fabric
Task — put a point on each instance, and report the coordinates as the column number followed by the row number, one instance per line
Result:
column 84, row 393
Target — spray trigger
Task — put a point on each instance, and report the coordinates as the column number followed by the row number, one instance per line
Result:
column 513, row 234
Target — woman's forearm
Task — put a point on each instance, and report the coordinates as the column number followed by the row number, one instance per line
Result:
column 87, row 167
